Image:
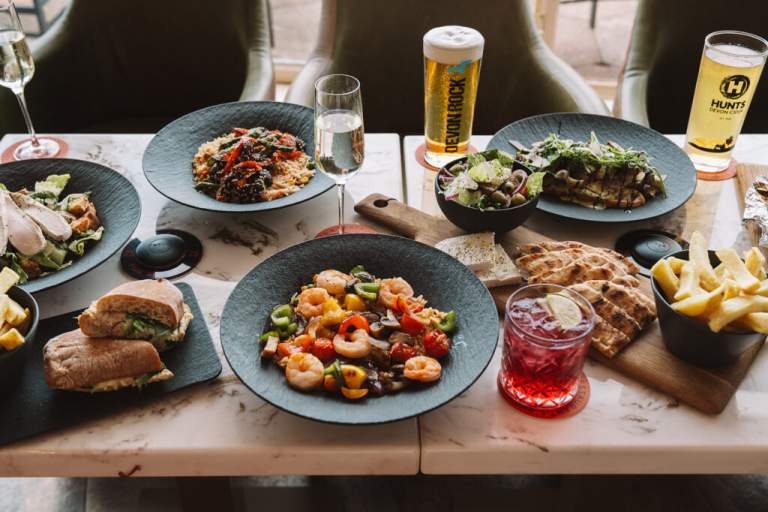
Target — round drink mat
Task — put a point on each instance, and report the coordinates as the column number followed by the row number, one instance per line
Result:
column 573, row 407
column 725, row 174
column 423, row 162
column 7, row 155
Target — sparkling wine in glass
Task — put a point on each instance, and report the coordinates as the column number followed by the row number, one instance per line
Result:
column 339, row 145
column 16, row 70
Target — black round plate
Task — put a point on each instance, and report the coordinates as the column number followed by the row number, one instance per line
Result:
column 444, row 282
column 669, row 159
column 168, row 158
column 117, row 204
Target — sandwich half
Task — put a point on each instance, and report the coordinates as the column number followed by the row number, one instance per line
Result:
column 150, row 309
column 75, row 362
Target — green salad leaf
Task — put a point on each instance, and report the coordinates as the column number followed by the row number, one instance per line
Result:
column 535, row 183
column 11, row 260
column 77, row 245
column 143, row 325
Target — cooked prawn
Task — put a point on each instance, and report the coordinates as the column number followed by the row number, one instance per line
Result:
column 311, row 302
column 391, row 289
column 422, row 368
column 358, row 345
column 333, row 281
column 304, row 371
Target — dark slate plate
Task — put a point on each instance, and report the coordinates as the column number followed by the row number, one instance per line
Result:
column 168, row 158
column 444, row 282
column 669, row 159
column 30, row 408
column 116, row 200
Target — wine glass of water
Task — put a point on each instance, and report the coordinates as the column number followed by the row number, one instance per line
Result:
column 16, row 70
column 339, row 146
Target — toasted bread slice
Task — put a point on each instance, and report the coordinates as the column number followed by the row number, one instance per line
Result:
column 157, row 299
column 614, row 315
column 73, row 361
column 607, row 339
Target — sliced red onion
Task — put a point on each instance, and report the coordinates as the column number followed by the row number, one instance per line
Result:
column 521, row 176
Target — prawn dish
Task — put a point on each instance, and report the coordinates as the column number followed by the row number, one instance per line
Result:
column 252, row 165
column 356, row 335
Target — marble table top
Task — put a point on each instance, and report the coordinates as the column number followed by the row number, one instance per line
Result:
column 626, row 427
column 218, row 428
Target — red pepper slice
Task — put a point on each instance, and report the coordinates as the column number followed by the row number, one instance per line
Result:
column 410, row 324
column 248, row 164
column 356, row 321
column 303, row 342
column 239, row 131
column 233, row 156
column 404, row 305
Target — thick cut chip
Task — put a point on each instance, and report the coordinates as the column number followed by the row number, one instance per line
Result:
column 743, row 277
column 735, row 308
column 676, row 264
column 689, row 282
column 696, row 305
column 699, row 256
column 757, row 322
column 663, row 272
column 753, row 259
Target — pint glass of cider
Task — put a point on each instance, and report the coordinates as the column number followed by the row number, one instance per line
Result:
column 452, row 57
column 728, row 74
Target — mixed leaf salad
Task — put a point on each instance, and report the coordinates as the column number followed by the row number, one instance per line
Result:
column 41, row 232
column 489, row 181
column 592, row 174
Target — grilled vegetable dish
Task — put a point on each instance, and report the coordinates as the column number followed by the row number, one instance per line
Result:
column 593, row 174
column 488, row 181
column 357, row 335
column 252, row 165
column 41, row 232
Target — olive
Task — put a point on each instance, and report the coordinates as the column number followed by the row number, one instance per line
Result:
column 499, row 197
column 509, row 187
column 518, row 199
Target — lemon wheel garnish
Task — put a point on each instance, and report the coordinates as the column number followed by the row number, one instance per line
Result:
column 565, row 310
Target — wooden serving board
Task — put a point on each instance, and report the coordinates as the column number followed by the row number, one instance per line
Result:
column 646, row 359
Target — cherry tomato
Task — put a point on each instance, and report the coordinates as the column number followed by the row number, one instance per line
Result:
column 411, row 324
column 356, row 321
column 322, row 348
column 436, row 343
column 401, row 352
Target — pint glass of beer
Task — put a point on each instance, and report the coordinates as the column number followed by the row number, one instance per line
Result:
column 730, row 68
column 452, row 58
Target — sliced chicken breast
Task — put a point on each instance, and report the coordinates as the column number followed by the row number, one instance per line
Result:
column 52, row 223
column 25, row 236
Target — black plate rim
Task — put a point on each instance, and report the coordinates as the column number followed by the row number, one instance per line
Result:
column 487, row 295
column 34, row 286
column 545, row 201
column 234, row 208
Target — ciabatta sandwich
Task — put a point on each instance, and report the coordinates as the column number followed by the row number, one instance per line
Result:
column 151, row 309
column 75, row 362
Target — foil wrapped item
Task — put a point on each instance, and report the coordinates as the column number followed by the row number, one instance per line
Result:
column 756, row 207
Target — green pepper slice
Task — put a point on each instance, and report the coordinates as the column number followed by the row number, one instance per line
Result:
column 288, row 330
column 269, row 334
column 334, row 369
column 368, row 291
column 282, row 315
column 447, row 324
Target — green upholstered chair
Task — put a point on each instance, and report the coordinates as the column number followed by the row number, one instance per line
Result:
column 134, row 65
column 381, row 44
column 659, row 76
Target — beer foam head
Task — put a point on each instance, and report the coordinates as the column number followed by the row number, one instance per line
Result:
column 453, row 44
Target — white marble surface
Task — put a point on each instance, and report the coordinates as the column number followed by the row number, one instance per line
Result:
column 219, row 428
column 626, row 427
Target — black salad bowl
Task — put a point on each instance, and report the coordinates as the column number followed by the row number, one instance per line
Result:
column 474, row 219
column 692, row 340
column 12, row 362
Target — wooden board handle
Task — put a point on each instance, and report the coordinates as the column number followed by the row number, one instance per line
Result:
column 395, row 215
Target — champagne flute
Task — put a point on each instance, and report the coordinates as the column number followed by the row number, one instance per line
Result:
column 16, row 70
column 339, row 146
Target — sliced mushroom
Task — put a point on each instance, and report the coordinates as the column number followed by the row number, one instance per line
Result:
column 399, row 336
column 390, row 321
column 378, row 330
column 51, row 222
column 23, row 233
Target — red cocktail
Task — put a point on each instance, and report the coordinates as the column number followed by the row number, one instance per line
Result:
column 546, row 337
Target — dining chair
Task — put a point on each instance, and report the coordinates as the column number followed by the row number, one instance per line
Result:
column 381, row 44
column 133, row 66
column 659, row 76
